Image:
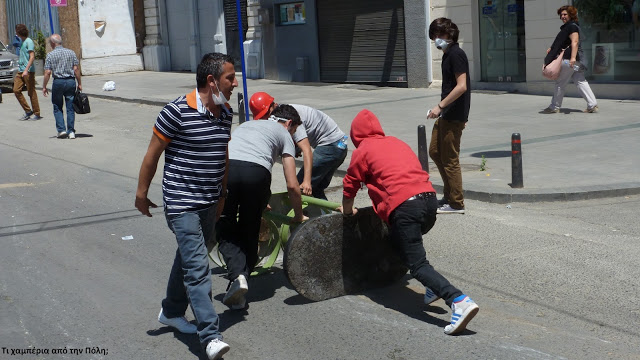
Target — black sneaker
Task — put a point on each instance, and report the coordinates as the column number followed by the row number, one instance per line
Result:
column 442, row 202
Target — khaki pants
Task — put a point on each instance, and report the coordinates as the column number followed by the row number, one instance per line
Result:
column 444, row 150
column 18, row 83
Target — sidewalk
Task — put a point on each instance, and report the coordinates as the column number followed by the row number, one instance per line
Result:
column 566, row 156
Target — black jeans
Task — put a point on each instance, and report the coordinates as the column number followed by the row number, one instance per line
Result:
column 409, row 221
column 249, row 186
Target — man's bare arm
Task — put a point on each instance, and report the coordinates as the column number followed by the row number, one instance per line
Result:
column 147, row 171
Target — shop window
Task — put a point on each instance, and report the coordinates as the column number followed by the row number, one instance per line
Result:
column 610, row 38
column 291, row 13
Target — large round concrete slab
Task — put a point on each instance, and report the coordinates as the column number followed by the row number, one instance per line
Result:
column 330, row 256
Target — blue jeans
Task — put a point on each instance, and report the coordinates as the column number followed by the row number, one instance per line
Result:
column 190, row 278
column 63, row 89
column 326, row 160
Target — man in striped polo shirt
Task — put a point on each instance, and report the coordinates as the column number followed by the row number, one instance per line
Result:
column 193, row 132
column 62, row 63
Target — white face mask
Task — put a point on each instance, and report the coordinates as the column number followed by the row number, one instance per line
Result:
column 441, row 43
column 219, row 99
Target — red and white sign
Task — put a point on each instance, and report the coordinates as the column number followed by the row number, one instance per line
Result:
column 58, row 2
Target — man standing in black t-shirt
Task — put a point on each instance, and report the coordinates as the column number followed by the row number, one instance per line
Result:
column 451, row 114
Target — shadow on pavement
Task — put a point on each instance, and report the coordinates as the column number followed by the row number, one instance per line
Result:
column 191, row 340
column 78, row 136
column 492, row 154
column 55, row 224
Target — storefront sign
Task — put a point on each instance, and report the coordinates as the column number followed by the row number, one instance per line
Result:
column 292, row 14
column 58, row 2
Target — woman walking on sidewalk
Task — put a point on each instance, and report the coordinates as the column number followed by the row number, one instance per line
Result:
column 573, row 65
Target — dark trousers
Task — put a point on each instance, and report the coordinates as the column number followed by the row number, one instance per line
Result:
column 408, row 222
column 238, row 229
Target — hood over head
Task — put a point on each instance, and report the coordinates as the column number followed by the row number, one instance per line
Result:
column 365, row 125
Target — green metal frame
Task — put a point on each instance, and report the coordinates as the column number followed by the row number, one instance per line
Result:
column 280, row 227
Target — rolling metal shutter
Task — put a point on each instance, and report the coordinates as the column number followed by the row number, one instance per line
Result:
column 362, row 41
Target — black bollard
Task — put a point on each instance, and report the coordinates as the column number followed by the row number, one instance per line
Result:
column 423, row 150
column 516, row 161
column 241, row 117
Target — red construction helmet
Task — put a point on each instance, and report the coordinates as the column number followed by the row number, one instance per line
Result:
column 259, row 104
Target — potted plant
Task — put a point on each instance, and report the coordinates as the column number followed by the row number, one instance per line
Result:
column 40, row 52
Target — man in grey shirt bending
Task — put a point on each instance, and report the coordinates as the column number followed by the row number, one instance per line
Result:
column 319, row 132
column 254, row 147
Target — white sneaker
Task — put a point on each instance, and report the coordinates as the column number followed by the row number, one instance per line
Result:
column 179, row 323
column 463, row 311
column 216, row 348
column 62, row 135
column 72, row 135
column 429, row 296
column 447, row 209
column 236, row 291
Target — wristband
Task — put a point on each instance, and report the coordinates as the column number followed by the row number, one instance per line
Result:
column 441, row 108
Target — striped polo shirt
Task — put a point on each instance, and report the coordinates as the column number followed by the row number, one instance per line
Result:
column 195, row 157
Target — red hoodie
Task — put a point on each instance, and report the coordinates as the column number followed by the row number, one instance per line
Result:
column 387, row 165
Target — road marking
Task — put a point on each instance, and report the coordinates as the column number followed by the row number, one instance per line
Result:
column 15, row 185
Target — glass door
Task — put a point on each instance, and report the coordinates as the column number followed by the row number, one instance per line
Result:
column 502, row 43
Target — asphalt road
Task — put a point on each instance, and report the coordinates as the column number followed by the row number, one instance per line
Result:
column 553, row 280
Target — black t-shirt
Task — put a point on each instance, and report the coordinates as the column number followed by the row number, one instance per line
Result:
column 563, row 41
column 455, row 61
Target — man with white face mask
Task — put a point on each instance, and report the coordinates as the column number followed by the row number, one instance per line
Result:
column 451, row 114
column 193, row 131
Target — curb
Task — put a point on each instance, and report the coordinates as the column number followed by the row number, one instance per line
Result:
column 484, row 196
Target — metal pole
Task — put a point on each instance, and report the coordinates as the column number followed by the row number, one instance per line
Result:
column 516, row 161
column 241, row 117
column 320, row 202
column 423, row 150
column 244, row 71
column 50, row 17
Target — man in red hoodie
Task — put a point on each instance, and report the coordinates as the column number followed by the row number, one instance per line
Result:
column 402, row 196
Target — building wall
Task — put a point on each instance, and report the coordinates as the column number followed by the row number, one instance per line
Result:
column 295, row 41
column 139, row 24
column 461, row 13
column 70, row 28
column 4, row 35
column 541, row 27
column 417, row 40
column 113, row 49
